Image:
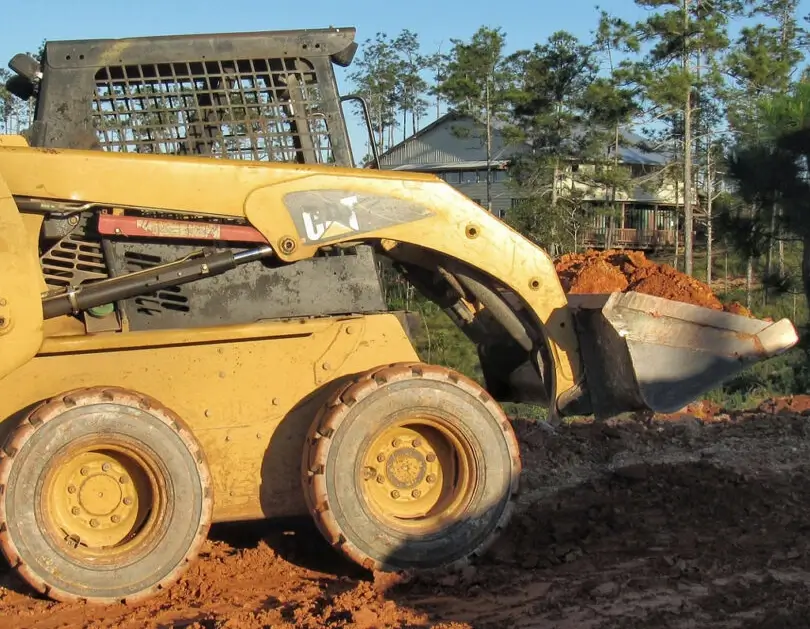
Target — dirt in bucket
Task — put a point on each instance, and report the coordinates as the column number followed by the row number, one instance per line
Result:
column 623, row 271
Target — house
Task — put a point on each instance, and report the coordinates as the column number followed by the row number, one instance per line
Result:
column 451, row 148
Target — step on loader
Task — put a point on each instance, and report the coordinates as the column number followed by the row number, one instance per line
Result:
column 193, row 328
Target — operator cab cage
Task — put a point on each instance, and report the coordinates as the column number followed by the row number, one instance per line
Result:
column 266, row 96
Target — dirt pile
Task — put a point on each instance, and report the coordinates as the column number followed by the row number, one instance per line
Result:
column 621, row 271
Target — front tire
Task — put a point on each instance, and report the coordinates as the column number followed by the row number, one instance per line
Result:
column 106, row 497
column 411, row 467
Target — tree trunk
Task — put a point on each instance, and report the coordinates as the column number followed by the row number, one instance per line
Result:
column 709, row 194
column 489, row 149
column 806, row 267
column 749, row 277
column 677, row 226
column 781, row 258
column 687, row 158
column 771, row 239
column 555, row 176
column 769, row 255
column 612, row 216
column 709, row 239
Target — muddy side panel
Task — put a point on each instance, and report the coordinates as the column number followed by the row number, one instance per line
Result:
column 20, row 280
column 249, row 393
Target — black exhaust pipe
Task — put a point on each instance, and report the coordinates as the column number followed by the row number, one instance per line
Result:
column 74, row 299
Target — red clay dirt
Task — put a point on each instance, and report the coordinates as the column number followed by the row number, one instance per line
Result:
column 793, row 404
column 621, row 271
column 624, row 524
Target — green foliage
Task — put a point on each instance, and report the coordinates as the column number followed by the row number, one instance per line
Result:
column 566, row 115
column 476, row 81
column 477, row 76
column 770, row 171
column 389, row 74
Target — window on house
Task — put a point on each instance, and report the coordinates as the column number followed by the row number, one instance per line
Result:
column 499, row 176
column 469, row 176
column 478, row 201
column 453, row 176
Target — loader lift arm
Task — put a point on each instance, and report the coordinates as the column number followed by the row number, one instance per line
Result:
column 414, row 219
column 500, row 288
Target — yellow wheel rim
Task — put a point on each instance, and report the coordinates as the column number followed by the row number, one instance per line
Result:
column 418, row 474
column 101, row 501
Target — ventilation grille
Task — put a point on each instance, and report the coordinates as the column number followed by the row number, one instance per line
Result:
column 74, row 259
column 254, row 109
column 171, row 298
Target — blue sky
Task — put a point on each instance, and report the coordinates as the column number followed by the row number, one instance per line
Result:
column 436, row 21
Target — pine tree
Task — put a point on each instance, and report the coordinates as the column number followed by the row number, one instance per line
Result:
column 762, row 63
column 411, row 86
column 770, row 169
column 477, row 80
column 376, row 79
column 681, row 35
column 613, row 102
column 563, row 114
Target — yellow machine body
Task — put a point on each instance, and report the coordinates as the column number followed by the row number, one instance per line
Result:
column 249, row 392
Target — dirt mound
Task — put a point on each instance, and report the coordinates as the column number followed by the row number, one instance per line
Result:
column 622, row 271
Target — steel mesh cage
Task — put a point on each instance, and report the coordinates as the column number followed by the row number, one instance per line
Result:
column 249, row 109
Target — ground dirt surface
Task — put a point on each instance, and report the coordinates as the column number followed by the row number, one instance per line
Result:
column 620, row 271
column 700, row 519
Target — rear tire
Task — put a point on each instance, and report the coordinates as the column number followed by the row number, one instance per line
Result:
column 105, row 496
column 411, row 467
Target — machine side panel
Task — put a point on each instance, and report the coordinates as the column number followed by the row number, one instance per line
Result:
column 248, row 399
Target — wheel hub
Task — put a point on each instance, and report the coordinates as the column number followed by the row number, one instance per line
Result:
column 96, row 499
column 405, row 470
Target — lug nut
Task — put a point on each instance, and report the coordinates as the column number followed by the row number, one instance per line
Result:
column 123, row 480
column 430, row 457
column 71, row 489
column 396, row 442
column 75, row 510
column 380, row 458
column 416, row 443
column 105, row 467
column 431, row 478
column 416, row 493
column 84, row 471
column 115, row 519
column 127, row 501
column 94, row 523
column 380, row 479
column 395, row 494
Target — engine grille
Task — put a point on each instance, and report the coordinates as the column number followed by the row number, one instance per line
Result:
column 254, row 109
column 75, row 258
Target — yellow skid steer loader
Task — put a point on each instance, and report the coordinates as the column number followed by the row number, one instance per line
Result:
column 193, row 329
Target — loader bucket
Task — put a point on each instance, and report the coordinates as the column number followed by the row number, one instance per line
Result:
column 647, row 353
